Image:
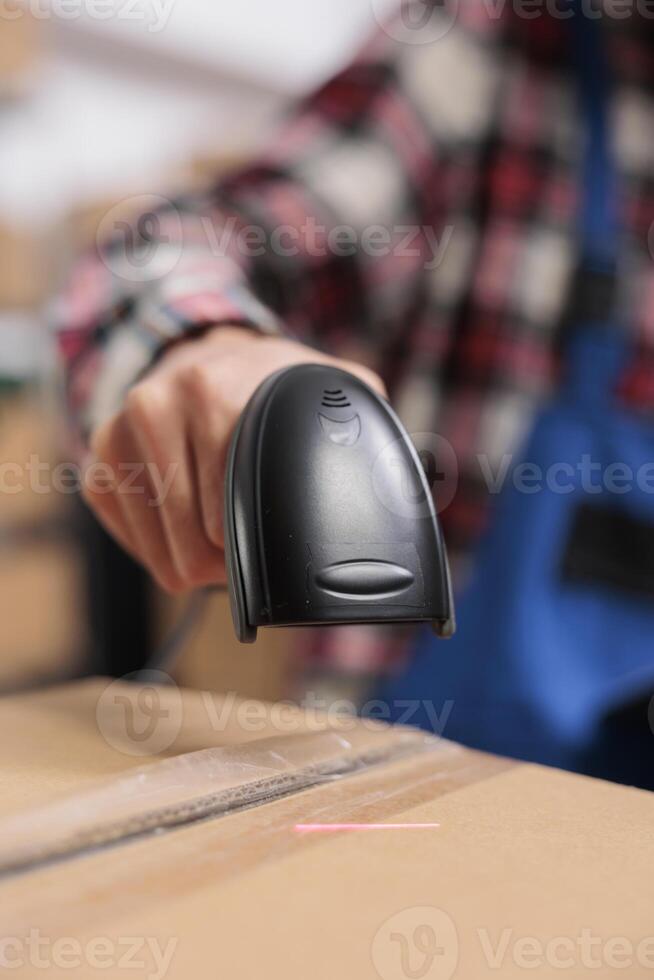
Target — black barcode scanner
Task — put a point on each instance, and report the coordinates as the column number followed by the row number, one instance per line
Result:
column 328, row 515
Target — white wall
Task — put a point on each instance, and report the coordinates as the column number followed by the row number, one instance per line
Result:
column 289, row 44
column 121, row 99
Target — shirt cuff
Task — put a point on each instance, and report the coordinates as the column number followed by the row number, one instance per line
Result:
column 200, row 293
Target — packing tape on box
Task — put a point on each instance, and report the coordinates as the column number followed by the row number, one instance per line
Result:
column 199, row 785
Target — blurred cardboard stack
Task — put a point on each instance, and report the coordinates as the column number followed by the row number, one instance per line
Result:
column 44, row 588
column 19, row 50
column 41, row 606
column 42, row 630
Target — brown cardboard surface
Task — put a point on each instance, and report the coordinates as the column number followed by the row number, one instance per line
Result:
column 59, row 740
column 19, row 50
column 265, row 672
column 41, row 586
column 41, row 611
column 528, row 871
column 23, row 273
column 29, row 435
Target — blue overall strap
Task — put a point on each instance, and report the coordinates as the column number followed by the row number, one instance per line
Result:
column 599, row 219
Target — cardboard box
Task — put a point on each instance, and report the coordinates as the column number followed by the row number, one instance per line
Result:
column 41, row 575
column 24, row 273
column 42, row 614
column 369, row 852
column 33, row 470
column 214, row 659
column 20, row 49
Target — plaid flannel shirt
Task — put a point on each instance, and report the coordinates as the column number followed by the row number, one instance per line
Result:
column 418, row 212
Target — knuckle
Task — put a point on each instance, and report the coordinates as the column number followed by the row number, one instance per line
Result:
column 216, row 390
column 198, row 381
column 144, row 404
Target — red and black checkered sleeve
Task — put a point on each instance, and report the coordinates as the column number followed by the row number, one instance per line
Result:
column 330, row 235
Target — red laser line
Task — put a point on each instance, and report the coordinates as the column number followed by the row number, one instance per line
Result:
column 314, row 828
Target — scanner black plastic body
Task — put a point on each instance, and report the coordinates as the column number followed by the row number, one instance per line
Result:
column 328, row 515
